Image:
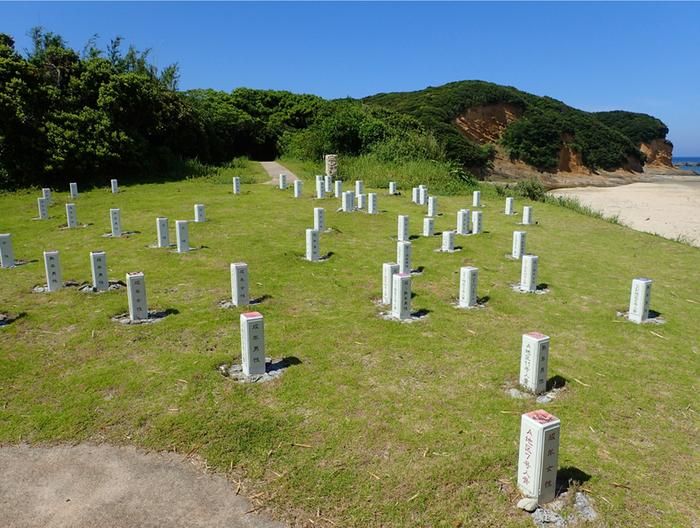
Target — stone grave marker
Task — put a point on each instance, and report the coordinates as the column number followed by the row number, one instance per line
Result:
column 162, row 231
column 463, row 222
column 468, row 281
column 359, row 187
column 348, row 201
column 372, row 203
column 528, row 273
column 43, row 207
column 71, row 216
column 7, row 254
column 136, row 295
column 338, row 188
column 73, row 188
column 432, row 206
column 509, row 206
column 239, row 284
column 319, row 219
column 448, row 242
column 403, row 256
column 282, row 181
column 52, row 265
column 320, row 188
column 115, row 186
column 392, row 188
column 312, row 245
column 428, row 226
column 327, row 184
column 98, row 266
column 115, row 218
column 527, row 215
column 362, row 201
column 252, row 343
column 477, row 223
column 389, row 269
column 534, row 356
column 402, row 234
column 298, row 185
column 236, row 181
column 640, row 300
column 414, row 195
column 538, row 456
column 519, row 239
column 422, row 195
column 46, row 193
column 476, row 199
column 401, row 296
column 199, row 215
column 331, row 165
column 182, row 234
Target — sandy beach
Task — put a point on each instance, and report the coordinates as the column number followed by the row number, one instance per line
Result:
column 669, row 206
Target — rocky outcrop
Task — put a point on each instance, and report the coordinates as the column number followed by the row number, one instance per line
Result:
column 659, row 152
column 485, row 124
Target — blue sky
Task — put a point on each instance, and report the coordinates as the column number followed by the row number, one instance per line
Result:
column 595, row 56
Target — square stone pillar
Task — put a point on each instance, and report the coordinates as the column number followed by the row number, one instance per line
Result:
column 463, row 222
column 7, row 254
column 319, row 219
column 640, row 300
column 362, row 201
column 538, row 456
column 236, row 185
column 477, row 222
column 162, row 232
column 115, row 217
column 182, row 233
column 401, row 296
column 252, row 343
column 338, row 188
column 402, row 234
column 519, row 239
column 115, row 186
column 428, row 226
column 73, row 187
column 528, row 273
column 432, row 206
column 389, row 269
column 136, row 294
column 403, row 256
column 298, row 185
column 239, row 284
column 46, row 193
column 527, row 215
column 199, row 215
column 448, row 242
column 359, row 187
column 392, row 188
column 476, row 199
column 348, row 202
column 52, row 265
column 422, row 195
column 414, row 195
column 534, row 356
column 320, row 188
column 509, row 206
column 327, row 184
column 468, row 282
column 372, row 203
column 43, row 207
column 282, row 181
column 312, row 245
column 71, row 216
column 98, row 266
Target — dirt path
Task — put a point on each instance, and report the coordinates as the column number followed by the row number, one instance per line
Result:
column 274, row 169
column 88, row 486
column 668, row 208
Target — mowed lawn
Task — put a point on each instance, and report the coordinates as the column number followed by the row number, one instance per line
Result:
column 379, row 423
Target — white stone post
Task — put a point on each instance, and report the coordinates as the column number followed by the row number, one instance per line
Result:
column 182, row 233
column 327, row 184
column 252, row 343
column 509, row 206
column 338, row 188
column 528, row 273
column 476, row 199
column 115, row 217
column 43, row 207
column 403, row 256
column 389, row 269
column 7, row 255
column 640, row 300
column 402, row 234
column 392, row 188
column 282, row 182
column 115, row 186
column 46, row 193
column 428, row 226
column 468, row 281
column 534, row 356
column 422, row 195
column 312, row 245
column 432, row 206
column 477, row 224
column 71, row 216
column 538, row 456
column 73, row 189
column 236, row 185
column 98, row 266
column 359, row 187
column 463, row 222
column 297, row 188
column 331, row 165
column 199, row 215
column 319, row 219
column 527, row 215
column 372, row 203
column 136, row 295
column 448, row 242
column 239, row 284
column 320, row 188
column 348, row 202
column 414, row 195
column 162, row 232
column 361, row 201
column 52, row 265
column 401, row 296
column 519, row 239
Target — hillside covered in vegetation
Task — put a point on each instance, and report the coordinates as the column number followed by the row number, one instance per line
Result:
column 87, row 116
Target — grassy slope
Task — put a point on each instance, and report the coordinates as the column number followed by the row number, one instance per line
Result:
column 409, row 424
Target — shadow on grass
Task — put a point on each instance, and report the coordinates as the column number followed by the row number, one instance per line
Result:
column 570, row 476
column 420, row 313
column 653, row 314
column 556, row 382
column 283, row 363
column 483, row 300
column 260, row 299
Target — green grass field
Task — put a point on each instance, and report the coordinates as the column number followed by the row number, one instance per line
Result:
column 380, row 423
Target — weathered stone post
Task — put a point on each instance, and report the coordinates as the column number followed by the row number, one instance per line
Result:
column 428, row 226
column 519, row 239
column 403, row 256
column 7, row 254
column 98, row 266
column 389, row 269
column 463, row 222
column 252, row 343
column 52, row 265
column 239, row 284
column 640, row 300
column 401, row 296
column 468, row 280
column 162, row 232
column 528, row 273
column 534, row 356
column 136, row 294
column 539, row 455
column 182, row 232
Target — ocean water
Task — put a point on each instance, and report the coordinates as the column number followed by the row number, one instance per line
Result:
column 693, row 160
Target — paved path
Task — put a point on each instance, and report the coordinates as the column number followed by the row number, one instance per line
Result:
column 91, row 486
column 274, row 169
